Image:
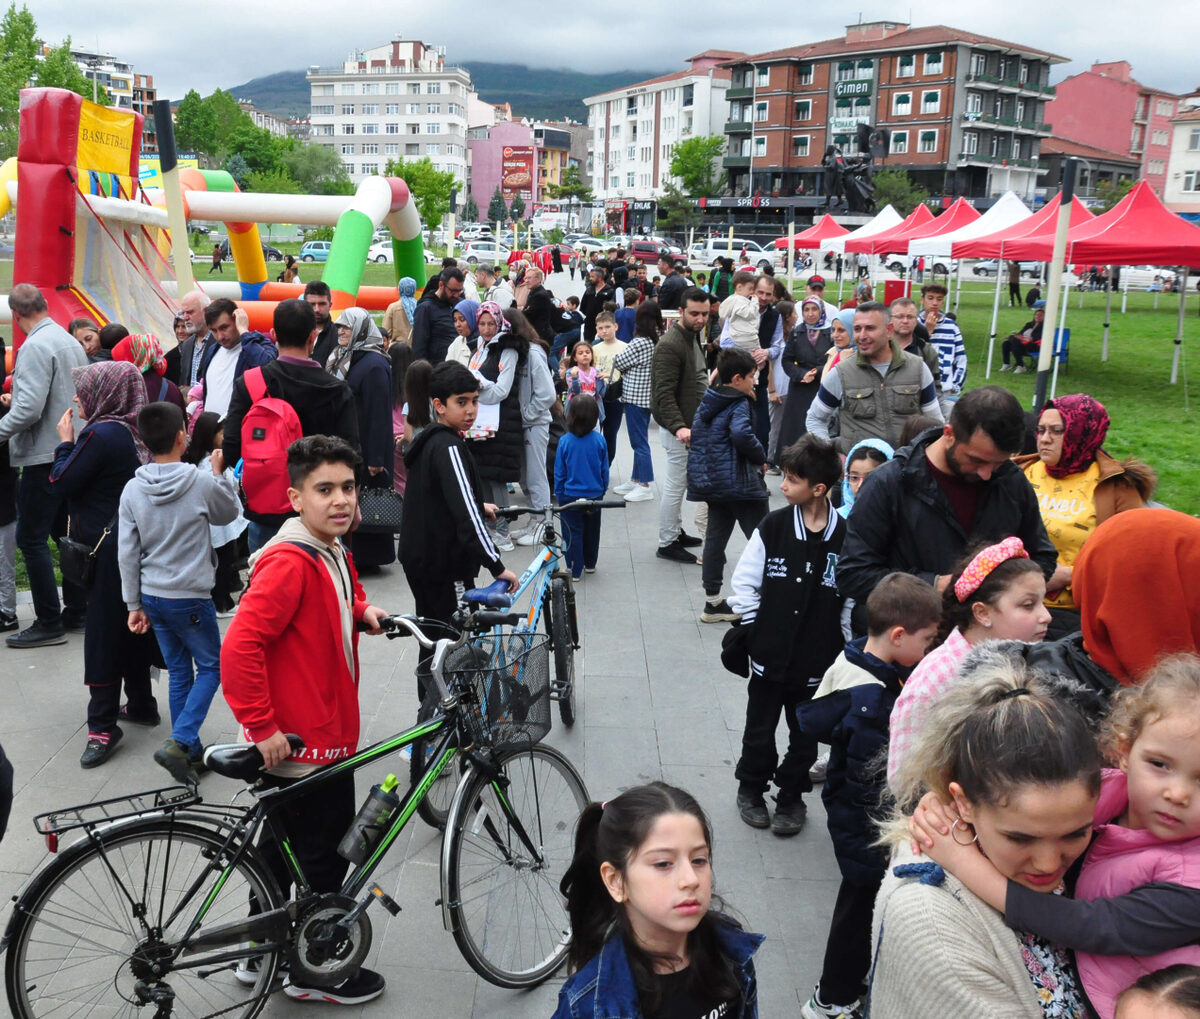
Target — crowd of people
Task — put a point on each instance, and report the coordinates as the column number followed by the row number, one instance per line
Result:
column 951, row 611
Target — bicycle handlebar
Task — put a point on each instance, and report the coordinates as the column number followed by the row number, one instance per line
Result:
column 512, row 512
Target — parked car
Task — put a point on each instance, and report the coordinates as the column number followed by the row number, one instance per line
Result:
column 380, row 251
column 586, row 245
column 485, row 251
column 899, row 264
column 315, row 251
column 271, row 254
column 1145, row 277
column 570, row 239
column 1029, row 270
column 473, row 232
column 715, row 248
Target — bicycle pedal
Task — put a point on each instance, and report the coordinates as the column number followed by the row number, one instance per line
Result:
column 390, row 904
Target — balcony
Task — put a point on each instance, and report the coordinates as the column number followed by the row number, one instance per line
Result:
column 737, row 127
column 739, row 93
column 987, row 160
column 737, row 162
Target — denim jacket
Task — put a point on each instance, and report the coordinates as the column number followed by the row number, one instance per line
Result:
column 604, row 988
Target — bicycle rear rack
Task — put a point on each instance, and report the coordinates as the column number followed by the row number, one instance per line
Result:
column 88, row 815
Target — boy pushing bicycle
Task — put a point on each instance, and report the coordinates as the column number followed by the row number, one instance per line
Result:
column 289, row 663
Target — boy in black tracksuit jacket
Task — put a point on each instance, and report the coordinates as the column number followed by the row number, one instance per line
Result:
column 785, row 588
column 442, row 534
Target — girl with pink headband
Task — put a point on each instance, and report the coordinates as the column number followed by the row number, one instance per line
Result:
column 996, row 593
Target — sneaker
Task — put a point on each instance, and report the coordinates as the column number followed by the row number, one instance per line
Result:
column 503, row 542
column 175, row 759
column 719, row 612
column 577, row 579
column 639, row 493
column 676, row 553
column 365, row 985
column 74, row 624
column 100, row 747
column 624, row 488
column 227, row 613
column 589, row 569
column 8, row 622
column 790, row 815
column 820, row 767
column 37, row 635
column 752, row 808
column 688, row 540
column 774, row 471
column 531, row 537
column 815, row 1009
column 149, row 721
column 1006, row 367
column 1019, row 370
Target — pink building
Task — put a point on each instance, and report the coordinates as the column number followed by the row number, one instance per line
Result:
column 1106, row 107
column 487, row 154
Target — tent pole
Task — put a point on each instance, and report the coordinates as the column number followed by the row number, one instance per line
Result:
column 1124, row 291
column 995, row 319
column 1054, row 284
column 1062, row 322
column 841, row 275
column 791, row 258
column 1179, row 336
column 1107, row 313
column 957, row 285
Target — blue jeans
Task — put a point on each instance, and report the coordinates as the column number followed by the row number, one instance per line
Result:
column 186, row 629
column 257, row 535
column 581, row 528
column 637, row 422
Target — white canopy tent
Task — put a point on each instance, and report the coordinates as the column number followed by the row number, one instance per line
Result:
column 885, row 219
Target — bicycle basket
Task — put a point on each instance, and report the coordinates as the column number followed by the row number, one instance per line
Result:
column 504, row 683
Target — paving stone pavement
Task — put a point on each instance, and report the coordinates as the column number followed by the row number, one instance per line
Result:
column 654, row 703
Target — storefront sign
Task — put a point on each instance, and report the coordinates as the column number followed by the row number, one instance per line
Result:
column 516, row 172
column 849, row 89
column 847, row 125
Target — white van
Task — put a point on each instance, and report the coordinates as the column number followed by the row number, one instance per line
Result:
column 716, row 248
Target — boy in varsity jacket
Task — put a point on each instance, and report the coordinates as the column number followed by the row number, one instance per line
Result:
column 785, row 588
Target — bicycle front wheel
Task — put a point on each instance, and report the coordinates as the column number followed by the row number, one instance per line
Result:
column 509, row 916
column 562, row 637
column 94, row 926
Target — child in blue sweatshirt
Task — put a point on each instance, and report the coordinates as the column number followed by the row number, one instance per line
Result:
column 581, row 472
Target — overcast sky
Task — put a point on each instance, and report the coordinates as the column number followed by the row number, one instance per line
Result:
column 220, row 43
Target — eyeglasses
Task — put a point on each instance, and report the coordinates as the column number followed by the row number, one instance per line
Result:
column 1054, row 430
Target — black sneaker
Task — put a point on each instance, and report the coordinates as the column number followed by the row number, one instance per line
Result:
column 365, row 985
column 8, row 622
column 74, row 624
column 150, row 721
column 719, row 612
column 790, row 815
column 37, row 635
column 688, row 540
column 675, row 552
column 752, row 808
column 174, row 758
column 99, row 749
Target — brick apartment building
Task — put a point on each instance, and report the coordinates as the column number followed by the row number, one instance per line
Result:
column 966, row 112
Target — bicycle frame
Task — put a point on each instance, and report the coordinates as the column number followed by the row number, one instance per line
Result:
column 537, row 576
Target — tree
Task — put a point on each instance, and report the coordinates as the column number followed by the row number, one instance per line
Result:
column 430, row 187
column 59, row 70
column 676, row 212
column 315, row 168
column 471, row 210
column 694, row 165
column 896, row 188
column 18, row 56
column 236, row 167
column 570, row 187
column 195, row 125
column 276, row 182
column 497, row 210
column 516, row 210
column 1110, row 194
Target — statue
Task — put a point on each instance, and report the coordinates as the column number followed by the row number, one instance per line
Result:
column 848, row 178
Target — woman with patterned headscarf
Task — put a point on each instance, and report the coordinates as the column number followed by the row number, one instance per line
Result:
column 145, row 353
column 398, row 319
column 90, row 471
column 1078, row 486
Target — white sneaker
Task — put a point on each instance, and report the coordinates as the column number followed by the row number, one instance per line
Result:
column 533, row 537
column 639, row 493
column 820, row 767
column 1019, row 370
column 624, row 488
column 814, row 1009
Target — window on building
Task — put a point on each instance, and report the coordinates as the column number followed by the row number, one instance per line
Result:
column 614, row 181
column 1135, row 138
column 1160, row 138
column 763, row 76
column 899, row 142
column 370, row 109
column 865, row 69
column 995, row 145
column 392, row 109
column 1023, row 72
column 644, row 180
column 322, row 90
column 668, row 124
column 803, row 109
column 646, row 153
column 370, row 168
column 454, row 109
column 760, row 113
column 845, row 71
column 978, row 64
column 1194, row 139
column 347, row 129
column 1015, row 152
column 1191, row 180
column 688, row 93
column 862, row 108
column 371, row 88
column 1164, row 107
column 347, row 109
column 630, row 180
column 970, row 143
column 370, row 149
column 391, row 149
column 412, row 150
column 667, row 152
column 670, row 95
column 391, row 88
column 974, row 103
column 760, row 147
column 433, row 107
column 391, row 128
column 901, row 104
column 347, row 150
column 323, row 111
column 350, row 169
column 433, row 88
column 841, row 140
column 616, row 130
column 412, row 109
column 347, row 89
column 906, row 66
column 414, row 88
column 800, row 145
column 1020, row 110
column 744, row 150
column 630, row 152
column 1157, row 166
column 687, row 124
column 433, row 149
column 931, row 102
column 370, row 129
column 325, row 129
column 933, row 62
column 433, row 127
column 805, row 74
column 414, row 129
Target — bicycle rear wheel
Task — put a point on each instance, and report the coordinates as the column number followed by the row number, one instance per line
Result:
column 108, row 911
column 561, row 616
column 509, row 917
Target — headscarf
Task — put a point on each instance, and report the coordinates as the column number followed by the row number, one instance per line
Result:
column 846, row 317
column 497, row 313
column 143, row 351
column 469, row 310
column 847, row 494
column 1137, row 584
column 979, row 568
column 862, row 291
column 407, row 289
column 1085, row 424
column 364, row 335
column 822, row 322
column 112, row 391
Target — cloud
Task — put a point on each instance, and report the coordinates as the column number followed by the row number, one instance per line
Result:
column 221, row 43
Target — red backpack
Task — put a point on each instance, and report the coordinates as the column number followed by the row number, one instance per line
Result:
column 268, row 428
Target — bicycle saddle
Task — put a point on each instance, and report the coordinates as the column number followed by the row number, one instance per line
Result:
column 495, row 595
column 243, row 761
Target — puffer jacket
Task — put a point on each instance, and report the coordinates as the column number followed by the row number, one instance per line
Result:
column 725, row 457
column 500, row 457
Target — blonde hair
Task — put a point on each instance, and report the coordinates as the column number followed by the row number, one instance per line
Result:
column 1171, row 682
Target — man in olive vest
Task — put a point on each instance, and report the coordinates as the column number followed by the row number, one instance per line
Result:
column 872, row 393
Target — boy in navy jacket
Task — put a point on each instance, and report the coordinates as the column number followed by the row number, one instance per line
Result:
column 785, row 588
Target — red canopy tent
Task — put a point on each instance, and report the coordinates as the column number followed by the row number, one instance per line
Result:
column 996, row 244
column 823, row 229
column 1138, row 230
column 954, row 218
column 883, row 242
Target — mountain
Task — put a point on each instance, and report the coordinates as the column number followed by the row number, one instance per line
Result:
column 537, row 93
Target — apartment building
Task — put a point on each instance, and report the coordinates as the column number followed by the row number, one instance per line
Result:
column 635, row 129
column 397, row 100
column 1181, row 192
column 966, row 112
column 273, row 125
column 144, row 97
column 113, row 75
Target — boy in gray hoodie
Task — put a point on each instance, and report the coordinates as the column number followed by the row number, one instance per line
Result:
column 167, row 569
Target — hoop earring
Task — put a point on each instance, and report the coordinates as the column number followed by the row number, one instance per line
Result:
column 965, row 827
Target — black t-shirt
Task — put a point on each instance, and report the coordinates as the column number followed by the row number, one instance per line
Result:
column 678, row 1003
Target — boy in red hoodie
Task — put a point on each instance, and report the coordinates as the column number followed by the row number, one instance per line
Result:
column 289, row 664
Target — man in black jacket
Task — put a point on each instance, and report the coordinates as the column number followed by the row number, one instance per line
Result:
column 433, row 325
column 317, row 294
column 324, row 404
column 951, row 489
column 539, row 305
column 673, row 284
column 597, row 293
